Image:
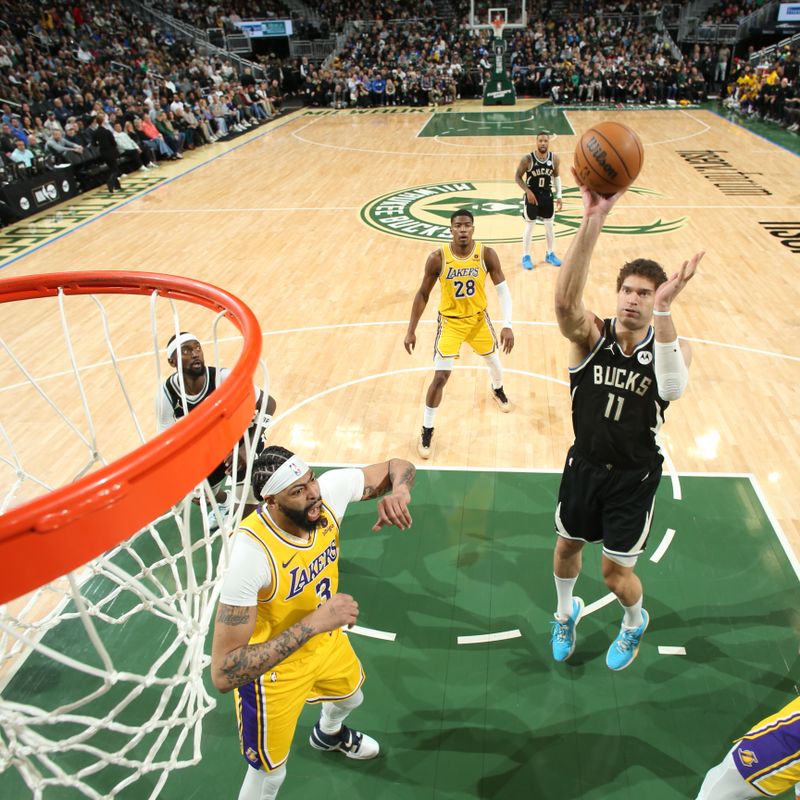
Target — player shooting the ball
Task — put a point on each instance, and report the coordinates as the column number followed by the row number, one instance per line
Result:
column 624, row 372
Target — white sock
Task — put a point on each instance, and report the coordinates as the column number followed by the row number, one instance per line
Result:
column 495, row 370
column 633, row 614
column 261, row 785
column 429, row 416
column 526, row 237
column 564, row 587
column 334, row 713
column 549, row 234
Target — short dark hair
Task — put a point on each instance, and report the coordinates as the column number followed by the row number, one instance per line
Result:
column 645, row 268
column 266, row 465
column 462, row 212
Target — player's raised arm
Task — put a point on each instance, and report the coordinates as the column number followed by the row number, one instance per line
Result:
column 672, row 356
column 433, row 268
column 503, row 294
column 396, row 475
column 575, row 322
column 235, row 662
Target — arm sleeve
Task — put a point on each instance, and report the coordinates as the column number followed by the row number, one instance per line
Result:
column 670, row 368
column 248, row 573
column 164, row 411
column 340, row 487
column 558, row 187
column 504, row 295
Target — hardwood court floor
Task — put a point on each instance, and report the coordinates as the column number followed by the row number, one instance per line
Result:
column 283, row 222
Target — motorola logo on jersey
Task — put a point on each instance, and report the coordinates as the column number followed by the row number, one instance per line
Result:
column 644, row 356
column 423, row 212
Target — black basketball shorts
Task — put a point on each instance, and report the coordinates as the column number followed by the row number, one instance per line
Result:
column 544, row 207
column 608, row 505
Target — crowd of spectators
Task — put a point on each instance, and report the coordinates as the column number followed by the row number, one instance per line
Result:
column 729, row 13
column 225, row 15
column 600, row 58
column 70, row 68
column 768, row 91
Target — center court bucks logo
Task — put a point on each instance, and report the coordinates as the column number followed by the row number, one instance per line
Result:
column 423, row 212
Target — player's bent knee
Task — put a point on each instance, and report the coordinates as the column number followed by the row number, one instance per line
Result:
column 440, row 378
column 351, row 703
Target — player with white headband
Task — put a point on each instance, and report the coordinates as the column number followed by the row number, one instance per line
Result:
column 185, row 389
column 278, row 639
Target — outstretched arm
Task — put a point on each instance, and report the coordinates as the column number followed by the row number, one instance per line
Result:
column 433, row 268
column 504, row 295
column 575, row 322
column 672, row 357
column 395, row 474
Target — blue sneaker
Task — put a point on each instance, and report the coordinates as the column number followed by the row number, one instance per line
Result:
column 563, row 636
column 526, row 262
column 626, row 646
column 550, row 258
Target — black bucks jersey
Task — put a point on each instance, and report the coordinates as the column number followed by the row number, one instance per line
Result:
column 172, row 387
column 616, row 410
column 539, row 179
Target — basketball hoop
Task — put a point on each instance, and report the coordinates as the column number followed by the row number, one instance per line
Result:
column 498, row 24
column 82, row 706
column 79, row 521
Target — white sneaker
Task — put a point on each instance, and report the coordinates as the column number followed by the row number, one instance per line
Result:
column 353, row 744
column 424, row 442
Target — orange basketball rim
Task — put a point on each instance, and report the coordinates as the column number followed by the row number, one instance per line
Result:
column 47, row 537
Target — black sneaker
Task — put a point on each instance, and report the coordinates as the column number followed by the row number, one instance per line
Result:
column 500, row 398
column 424, row 443
column 352, row 743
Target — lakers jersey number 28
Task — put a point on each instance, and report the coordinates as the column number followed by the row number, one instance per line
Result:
column 463, row 283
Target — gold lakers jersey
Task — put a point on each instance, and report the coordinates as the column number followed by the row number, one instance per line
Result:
column 462, row 281
column 768, row 755
column 303, row 575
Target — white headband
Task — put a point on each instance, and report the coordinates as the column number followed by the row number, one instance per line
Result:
column 286, row 474
column 179, row 342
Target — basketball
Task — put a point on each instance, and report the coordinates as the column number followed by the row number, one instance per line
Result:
column 608, row 157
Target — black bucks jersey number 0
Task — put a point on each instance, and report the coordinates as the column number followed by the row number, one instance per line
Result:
column 539, row 179
column 616, row 410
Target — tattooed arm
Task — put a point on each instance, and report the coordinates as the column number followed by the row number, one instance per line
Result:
column 397, row 475
column 234, row 662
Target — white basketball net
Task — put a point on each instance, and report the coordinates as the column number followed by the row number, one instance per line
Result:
column 101, row 672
